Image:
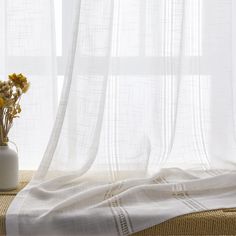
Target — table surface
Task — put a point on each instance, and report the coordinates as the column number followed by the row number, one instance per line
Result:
column 215, row 222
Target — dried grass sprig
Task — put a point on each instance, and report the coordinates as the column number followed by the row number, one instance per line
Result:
column 11, row 92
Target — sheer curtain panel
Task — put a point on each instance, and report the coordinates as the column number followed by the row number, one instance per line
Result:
column 27, row 46
column 145, row 129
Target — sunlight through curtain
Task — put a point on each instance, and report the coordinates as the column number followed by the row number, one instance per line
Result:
column 145, row 129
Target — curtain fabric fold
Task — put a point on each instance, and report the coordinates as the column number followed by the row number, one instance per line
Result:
column 145, row 129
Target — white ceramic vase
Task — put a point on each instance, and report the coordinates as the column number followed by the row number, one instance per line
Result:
column 8, row 168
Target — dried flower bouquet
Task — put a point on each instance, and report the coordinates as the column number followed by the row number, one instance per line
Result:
column 10, row 95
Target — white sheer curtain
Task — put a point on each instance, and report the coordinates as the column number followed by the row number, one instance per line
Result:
column 145, row 129
column 27, row 46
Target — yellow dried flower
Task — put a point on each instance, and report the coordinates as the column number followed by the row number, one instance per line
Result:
column 2, row 102
column 19, row 80
column 26, row 87
column 13, row 77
